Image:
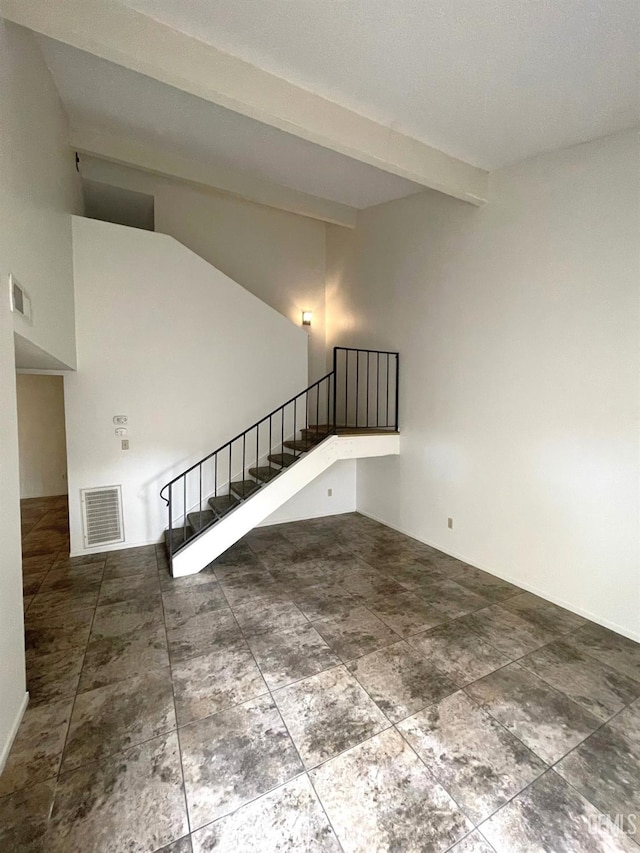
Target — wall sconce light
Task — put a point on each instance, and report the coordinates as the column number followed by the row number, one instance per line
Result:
column 306, row 318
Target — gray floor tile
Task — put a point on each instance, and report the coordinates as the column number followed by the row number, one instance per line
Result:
column 37, row 749
column 406, row 613
column 507, row 632
column 59, row 631
column 180, row 605
column 545, row 720
column 485, row 584
column 113, row 718
column 609, row 648
column 111, row 659
column 459, row 652
column 355, row 633
column 543, row 613
column 233, row 757
column 473, row 843
column 210, row 683
column 133, row 801
column 328, row 713
column 112, row 620
column 118, row 589
column 380, row 797
column 259, row 617
column 400, row 680
column 202, row 633
column 598, row 688
column 551, row 817
column 287, row 819
column 322, row 602
column 287, row 656
column 475, row 759
column 53, row 676
column 606, row 769
column 24, row 819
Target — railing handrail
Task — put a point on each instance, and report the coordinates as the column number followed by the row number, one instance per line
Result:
column 272, row 413
column 359, row 349
column 245, row 431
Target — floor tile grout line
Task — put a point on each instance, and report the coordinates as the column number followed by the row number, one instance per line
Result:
column 175, row 708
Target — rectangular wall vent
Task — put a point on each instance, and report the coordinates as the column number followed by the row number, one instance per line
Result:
column 20, row 301
column 102, row 516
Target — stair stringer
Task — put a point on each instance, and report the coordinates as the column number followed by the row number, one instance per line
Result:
column 215, row 540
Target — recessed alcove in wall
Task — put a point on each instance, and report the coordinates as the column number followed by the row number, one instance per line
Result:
column 117, row 205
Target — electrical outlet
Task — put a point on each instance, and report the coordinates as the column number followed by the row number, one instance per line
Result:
column 450, row 523
column 329, row 492
column 125, row 443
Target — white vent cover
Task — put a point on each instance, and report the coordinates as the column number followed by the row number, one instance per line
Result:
column 20, row 301
column 102, row 516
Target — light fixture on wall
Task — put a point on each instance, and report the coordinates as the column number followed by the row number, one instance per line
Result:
column 306, row 318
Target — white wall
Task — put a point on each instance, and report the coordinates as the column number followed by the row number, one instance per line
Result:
column 41, row 435
column 188, row 355
column 278, row 256
column 519, row 333
column 37, row 190
column 314, row 501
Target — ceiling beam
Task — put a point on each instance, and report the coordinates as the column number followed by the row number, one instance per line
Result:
column 150, row 158
column 140, row 43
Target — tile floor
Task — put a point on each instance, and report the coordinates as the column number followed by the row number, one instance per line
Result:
column 326, row 685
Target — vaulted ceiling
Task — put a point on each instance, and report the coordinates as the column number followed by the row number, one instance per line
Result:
column 328, row 106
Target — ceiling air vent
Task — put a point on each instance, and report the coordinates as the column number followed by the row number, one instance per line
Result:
column 102, row 516
column 20, row 301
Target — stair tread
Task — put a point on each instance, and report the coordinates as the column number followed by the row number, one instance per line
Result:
column 198, row 520
column 222, row 504
column 282, row 459
column 244, row 488
column 264, row 473
column 178, row 535
column 300, row 444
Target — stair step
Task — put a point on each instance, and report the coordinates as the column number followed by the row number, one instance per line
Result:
column 244, row 488
column 300, row 445
column 282, row 459
column 179, row 535
column 222, row 504
column 198, row 520
column 264, row 473
column 316, row 433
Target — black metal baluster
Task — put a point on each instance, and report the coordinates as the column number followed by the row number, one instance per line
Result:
column 335, row 385
column 295, row 421
column 368, row 383
column 171, row 527
column 270, row 447
column 387, row 411
column 346, row 389
column 215, row 475
column 184, row 510
column 377, row 389
column 357, row 385
column 318, row 408
column 244, row 459
column 229, row 480
column 200, row 501
column 397, row 388
column 257, row 443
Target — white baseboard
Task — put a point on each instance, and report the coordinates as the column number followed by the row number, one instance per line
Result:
column 6, row 749
column 580, row 611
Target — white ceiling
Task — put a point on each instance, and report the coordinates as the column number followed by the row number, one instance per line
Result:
column 489, row 81
column 144, row 110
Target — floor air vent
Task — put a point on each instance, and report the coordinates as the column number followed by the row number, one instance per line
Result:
column 102, row 516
